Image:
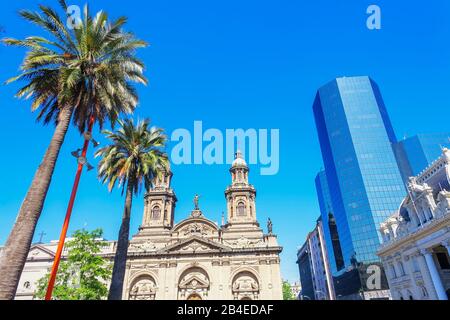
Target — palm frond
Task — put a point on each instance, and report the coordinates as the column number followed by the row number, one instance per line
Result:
column 135, row 156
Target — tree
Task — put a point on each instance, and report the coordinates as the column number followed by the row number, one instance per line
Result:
column 80, row 75
column 287, row 291
column 134, row 158
column 84, row 274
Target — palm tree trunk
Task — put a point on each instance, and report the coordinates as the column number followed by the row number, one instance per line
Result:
column 120, row 259
column 15, row 252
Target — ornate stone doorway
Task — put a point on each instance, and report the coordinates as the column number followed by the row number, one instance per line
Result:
column 193, row 284
column 143, row 288
column 245, row 286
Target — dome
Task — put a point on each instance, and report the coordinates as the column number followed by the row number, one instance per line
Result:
column 239, row 160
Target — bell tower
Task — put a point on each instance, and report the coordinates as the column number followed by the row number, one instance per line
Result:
column 240, row 195
column 159, row 205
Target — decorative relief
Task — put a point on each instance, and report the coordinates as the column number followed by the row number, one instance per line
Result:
column 245, row 286
column 195, row 246
column 143, row 289
column 243, row 242
column 196, row 229
column 193, row 282
column 142, row 247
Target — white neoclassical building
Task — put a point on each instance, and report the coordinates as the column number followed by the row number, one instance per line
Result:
column 416, row 239
column 198, row 259
column 193, row 259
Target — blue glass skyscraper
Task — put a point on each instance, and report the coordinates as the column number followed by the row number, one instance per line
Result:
column 363, row 179
column 416, row 153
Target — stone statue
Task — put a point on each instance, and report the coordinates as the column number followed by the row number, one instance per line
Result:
column 196, row 198
column 269, row 226
column 416, row 187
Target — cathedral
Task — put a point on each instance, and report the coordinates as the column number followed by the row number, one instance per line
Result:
column 196, row 259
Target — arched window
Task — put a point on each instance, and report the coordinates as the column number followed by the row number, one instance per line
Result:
column 241, row 209
column 156, row 213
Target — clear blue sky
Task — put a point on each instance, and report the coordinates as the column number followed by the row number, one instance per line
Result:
column 238, row 64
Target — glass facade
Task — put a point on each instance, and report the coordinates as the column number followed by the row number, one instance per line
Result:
column 363, row 179
column 331, row 235
column 416, row 153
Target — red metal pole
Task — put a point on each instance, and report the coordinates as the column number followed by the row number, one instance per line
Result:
column 62, row 237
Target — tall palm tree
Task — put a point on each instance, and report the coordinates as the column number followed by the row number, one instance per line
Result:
column 77, row 75
column 134, row 158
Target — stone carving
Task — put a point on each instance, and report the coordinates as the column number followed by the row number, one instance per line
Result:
column 443, row 203
column 143, row 289
column 243, row 242
column 245, row 286
column 193, row 281
column 195, row 246
column 143, row 246
column 413, row 186
column 196, row 229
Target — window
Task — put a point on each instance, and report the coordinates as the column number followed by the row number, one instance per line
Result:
column 393, row 272
column 402, row 269
column 443, row 260
column 415, row 264
column 156, row 213
column 241, row 209
column 424, row 292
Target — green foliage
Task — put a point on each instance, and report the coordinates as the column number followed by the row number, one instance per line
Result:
column 83, row 274
column 287, row 292
column 90, row 68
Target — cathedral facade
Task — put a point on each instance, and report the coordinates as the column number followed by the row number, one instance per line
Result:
column 196, row 259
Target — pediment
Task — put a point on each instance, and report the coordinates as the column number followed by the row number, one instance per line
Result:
column 195, row 244
column 39, row 252
column 194, row 282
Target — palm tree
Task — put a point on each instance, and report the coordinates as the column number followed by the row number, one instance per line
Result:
column 134, row 158
column 80, row 75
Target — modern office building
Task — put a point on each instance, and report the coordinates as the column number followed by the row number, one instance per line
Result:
column 416, row 153
column 363, row 181
column 317, row 276
column 306, row 278
column 330, row 234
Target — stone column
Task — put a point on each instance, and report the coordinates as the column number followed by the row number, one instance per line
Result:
column 428, row 282
column 435, row 277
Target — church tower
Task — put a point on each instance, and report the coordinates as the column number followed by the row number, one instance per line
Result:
column 160, row 204
column 240, row 195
